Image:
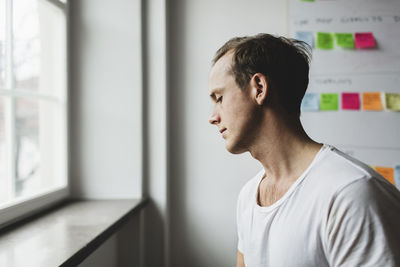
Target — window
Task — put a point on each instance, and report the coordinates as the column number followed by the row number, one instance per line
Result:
column 33, row 105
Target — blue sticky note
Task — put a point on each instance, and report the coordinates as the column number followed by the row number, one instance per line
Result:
column 310, row 102
column 306, row 37
column 397, row 176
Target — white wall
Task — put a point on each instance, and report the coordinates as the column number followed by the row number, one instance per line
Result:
column 204, row 178
column 106, row 115
column 106, row 99
column 155, row 132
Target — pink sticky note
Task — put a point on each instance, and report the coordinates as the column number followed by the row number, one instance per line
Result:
column 351, row 101
column 364, row 40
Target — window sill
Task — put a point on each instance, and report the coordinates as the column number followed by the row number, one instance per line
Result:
column 67, row 235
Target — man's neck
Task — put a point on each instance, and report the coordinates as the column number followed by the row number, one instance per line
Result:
column 284, row 150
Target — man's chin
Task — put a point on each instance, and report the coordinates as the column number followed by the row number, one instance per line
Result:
column 235, row 149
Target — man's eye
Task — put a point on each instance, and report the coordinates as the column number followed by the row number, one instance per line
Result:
column 219, row 99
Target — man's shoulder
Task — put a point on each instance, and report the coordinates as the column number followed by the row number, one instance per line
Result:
column 337, row 170
column 340, row 169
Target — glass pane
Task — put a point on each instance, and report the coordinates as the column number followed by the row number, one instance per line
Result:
column 40, row 47
column 26, row 44
column 2, row 43
column 53, row 43
column 40, row 146
column 4, row 179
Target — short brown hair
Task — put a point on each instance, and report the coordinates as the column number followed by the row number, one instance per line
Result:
column 284, row 62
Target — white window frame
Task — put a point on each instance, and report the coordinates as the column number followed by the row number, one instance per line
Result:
column 21, row 208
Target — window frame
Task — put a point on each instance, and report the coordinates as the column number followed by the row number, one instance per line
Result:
column 23, row 207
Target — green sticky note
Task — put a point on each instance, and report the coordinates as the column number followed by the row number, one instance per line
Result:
column 325, row 40
column 345, row 40
column 392, row 101
column 329, row 102
column 308, row 0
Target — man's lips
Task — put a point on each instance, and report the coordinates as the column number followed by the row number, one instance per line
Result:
column 222, row 130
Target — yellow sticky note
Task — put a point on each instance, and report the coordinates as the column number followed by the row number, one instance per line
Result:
column 386, row 172
column 371, row 101
column 392, row 101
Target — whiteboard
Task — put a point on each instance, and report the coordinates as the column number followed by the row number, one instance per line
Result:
column 371, row 136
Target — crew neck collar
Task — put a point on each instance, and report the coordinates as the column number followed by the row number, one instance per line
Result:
column 261, row 174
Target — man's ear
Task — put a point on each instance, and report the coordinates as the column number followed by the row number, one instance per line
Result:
column 259, row 85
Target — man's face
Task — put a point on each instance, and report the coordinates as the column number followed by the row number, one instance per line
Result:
column 234, row 111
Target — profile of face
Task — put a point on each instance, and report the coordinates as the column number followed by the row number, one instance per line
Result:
column 236, row 112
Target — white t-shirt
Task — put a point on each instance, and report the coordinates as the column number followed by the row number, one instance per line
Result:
column 339, row 212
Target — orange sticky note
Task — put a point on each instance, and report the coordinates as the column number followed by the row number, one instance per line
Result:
column 386, row 172
column 371, row 101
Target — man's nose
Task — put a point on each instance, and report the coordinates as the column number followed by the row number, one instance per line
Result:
column 214, row 118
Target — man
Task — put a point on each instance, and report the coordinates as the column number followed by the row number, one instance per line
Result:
column 310, row 205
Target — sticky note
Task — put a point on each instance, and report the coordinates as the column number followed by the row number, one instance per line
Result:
column 386, row 172
column 325, row 40
column 308, row 0
column 310, row 102
column 344, row 40
column 306, row 37
column 351, row 101
column 397, row 176
column 364, row 40
column 392, row 101
column 329, row 102
column 371, row 101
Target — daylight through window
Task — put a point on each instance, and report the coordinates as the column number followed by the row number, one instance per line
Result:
column 33, row 99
